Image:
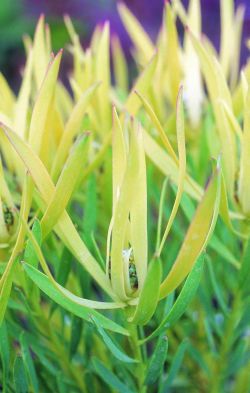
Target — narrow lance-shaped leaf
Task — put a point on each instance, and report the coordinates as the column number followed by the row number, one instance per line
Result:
column 42, row 105
column 28, row 363
column 236, row 50
column 182, row 167
column 23, row 100
column 113, row 348
column 65, row 185
column 142, row 84
column 158, row 126
column 218, row 89
column 7, row 278
column 231, row 119
column 41, row 56
column 149, row 295
column 176, row 364
column 72, row 128
column 244, row 183
column 4, row 355
column 186, row 295
column 172, row 49
column 59, row 288
column 120, row 220
column 65, row 228
column 75, row 335
column 119, row 159
column 109, row 377
column 7, row 96
column 197, row 235
column 43, row 282
column 227, row 22
column 138, row 212
column 102, row 73
column 30, row 257
column 19, row 376
column 140, row 38
column 157, row 361
column 168, row 167
column 120, row 64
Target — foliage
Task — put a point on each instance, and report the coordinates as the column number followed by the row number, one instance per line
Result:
column 124, row 213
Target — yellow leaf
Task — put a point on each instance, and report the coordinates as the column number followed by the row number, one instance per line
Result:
column 218, row 89
column 173, row 67
column 119, row 159
column 244, row 181
column 120, row 220
column 142, row 85
column 138, row 213
column 23, row 100
column 42, row 105
column 41, row 56
column 102, row 73
column 76, row 299
column 64, row 228
column 140, row 38
column 182, row 168
column 120, row 64
column 72, row 128
column 65, row 185
column 197, row 236
column 7, row 98
column 227, row 34
column 158, row 126
column 168, row 167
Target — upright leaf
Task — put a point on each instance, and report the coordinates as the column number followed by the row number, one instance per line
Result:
column 197, row 236
column 149, row 295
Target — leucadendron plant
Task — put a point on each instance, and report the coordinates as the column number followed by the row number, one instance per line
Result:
column 109, row 202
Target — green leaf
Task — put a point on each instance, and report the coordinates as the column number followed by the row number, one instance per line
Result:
column 28, row 363
column 244, row 273
column 43, row 282
column 157, row 360
column 149, row 295
column 90, row 211
column 19, row 375
column 4, row 355
column 118, row 354
column 5, row 288
column 216, row 287
column 175, row 364
column 75, row 335
column 30, row 256
column 186, row 295
column 110, row 378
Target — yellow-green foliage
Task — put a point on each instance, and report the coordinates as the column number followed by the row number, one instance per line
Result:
column 53, row 141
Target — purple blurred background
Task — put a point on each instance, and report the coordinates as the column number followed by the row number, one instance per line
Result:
column 21, row 17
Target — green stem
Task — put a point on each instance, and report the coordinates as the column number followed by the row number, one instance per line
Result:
column 137, row 350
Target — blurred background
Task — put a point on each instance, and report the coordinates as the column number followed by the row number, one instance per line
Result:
column 19, row 17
